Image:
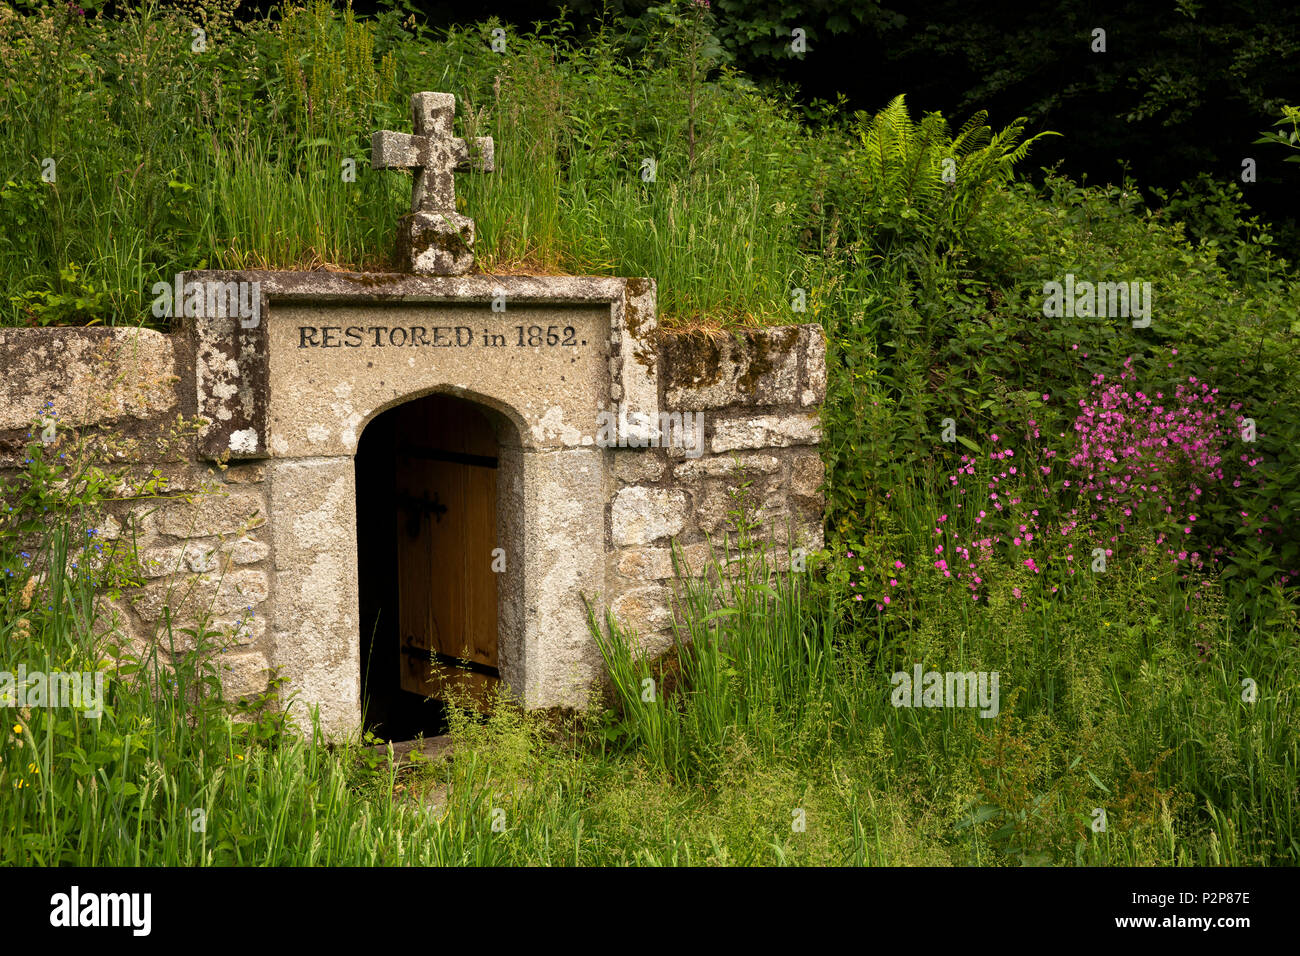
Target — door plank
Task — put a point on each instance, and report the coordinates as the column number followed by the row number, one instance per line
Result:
column 446, row 533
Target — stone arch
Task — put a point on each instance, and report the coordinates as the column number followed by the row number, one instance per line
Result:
column 509, row 422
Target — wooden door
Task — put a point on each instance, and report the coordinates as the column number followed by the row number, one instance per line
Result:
column 446, row 504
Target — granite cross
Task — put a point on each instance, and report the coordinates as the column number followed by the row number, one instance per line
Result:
column 434, row 238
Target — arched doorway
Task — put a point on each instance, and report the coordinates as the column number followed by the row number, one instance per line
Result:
column 429, row 562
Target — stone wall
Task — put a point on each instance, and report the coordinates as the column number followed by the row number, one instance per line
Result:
column 758, row 397
column 197, row 538
column 205, row 543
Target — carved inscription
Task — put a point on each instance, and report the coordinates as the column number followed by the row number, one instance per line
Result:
column 436, row 336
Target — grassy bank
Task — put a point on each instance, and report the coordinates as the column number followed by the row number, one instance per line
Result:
column 768, row 738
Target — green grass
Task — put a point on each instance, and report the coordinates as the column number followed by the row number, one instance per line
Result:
column 222, row 159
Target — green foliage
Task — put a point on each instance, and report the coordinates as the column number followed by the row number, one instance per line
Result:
column 330, row 71
column 74, row 301
column 919, row 175
column 961, row 334
column 1290, row 117
column 752, row 658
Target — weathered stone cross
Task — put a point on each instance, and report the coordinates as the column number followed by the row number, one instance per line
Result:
column 434, row 239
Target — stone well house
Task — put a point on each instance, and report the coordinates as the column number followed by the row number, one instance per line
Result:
column 394, row 469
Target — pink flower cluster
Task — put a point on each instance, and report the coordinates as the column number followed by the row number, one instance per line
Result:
column 1146, row 472
column 1154, row 456
column 962, row 558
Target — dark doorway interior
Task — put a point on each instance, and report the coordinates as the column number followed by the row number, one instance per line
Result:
column 426, row 527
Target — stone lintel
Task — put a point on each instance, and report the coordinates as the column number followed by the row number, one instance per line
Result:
column 232, row 362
